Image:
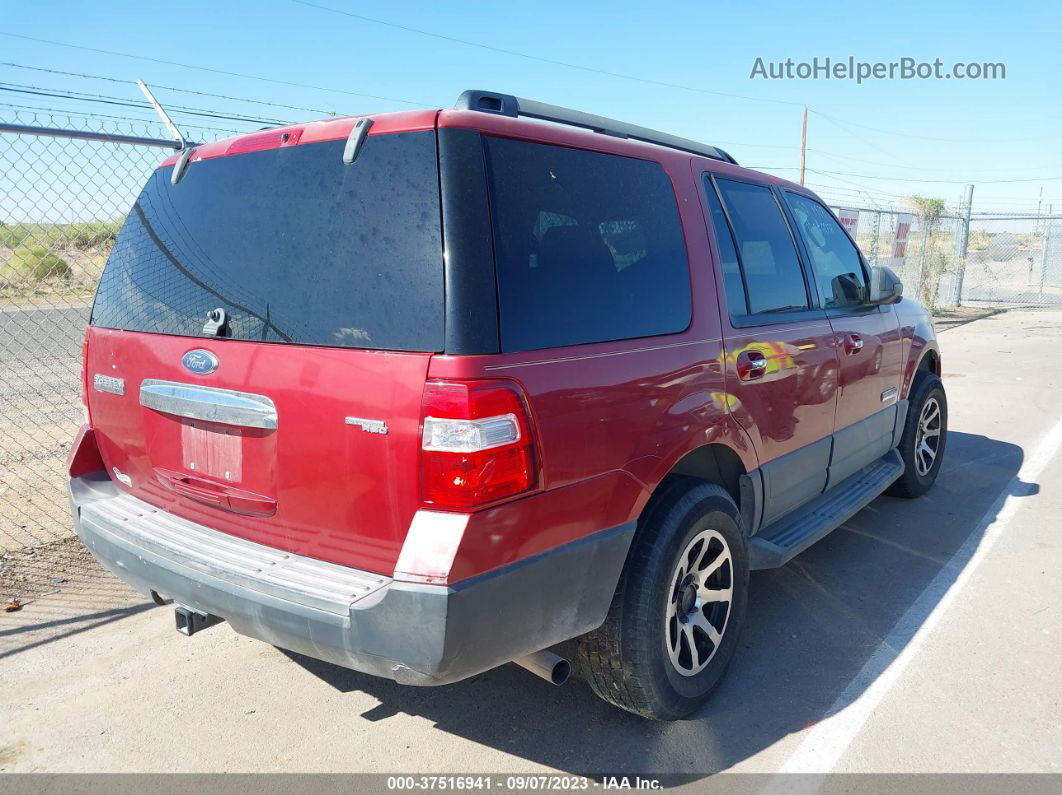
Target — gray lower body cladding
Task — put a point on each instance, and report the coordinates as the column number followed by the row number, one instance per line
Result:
column 412, row 633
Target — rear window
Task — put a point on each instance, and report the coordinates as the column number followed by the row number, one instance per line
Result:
column 589, row 247
column 293, row 244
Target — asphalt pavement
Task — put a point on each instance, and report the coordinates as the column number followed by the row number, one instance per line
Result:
column 922, row 636
column 42, row 331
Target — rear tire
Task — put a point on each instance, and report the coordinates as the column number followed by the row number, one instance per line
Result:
column 678, row 609
column 925, row 435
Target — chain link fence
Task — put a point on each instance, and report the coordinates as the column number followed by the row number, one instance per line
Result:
column 1013, row 261
column 948, row 261
column 63, row 200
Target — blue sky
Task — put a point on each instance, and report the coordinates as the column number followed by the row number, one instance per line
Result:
column 870, row 135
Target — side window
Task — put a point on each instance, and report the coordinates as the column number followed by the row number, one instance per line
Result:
column 735, row 287
column 765, row 248
column 588, row 247
column 835, row 261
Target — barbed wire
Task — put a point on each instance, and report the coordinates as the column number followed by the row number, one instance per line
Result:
column 82, row 96
column 196, row 92
column 148, row 123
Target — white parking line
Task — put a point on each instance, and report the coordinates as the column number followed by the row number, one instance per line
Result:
column 825, row 744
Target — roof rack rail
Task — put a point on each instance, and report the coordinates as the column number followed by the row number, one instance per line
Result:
column 508, row 105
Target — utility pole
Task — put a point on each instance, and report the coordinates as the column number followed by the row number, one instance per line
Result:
column 803, row 144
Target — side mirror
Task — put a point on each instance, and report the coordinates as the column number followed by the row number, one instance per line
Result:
column 885, row 286
column 847, row 289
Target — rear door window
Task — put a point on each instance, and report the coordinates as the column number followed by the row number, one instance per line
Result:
column 295, row 245
column 588, row 247
column 732, row 281
column 765, row 248
column 834, row 259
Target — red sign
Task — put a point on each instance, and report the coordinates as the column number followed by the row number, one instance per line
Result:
column 849, row 220
column 903, row 229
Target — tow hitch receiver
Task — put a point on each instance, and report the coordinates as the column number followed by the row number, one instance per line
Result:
column 190, row 621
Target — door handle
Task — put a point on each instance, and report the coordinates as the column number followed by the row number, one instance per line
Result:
column 751, row 365
column 853, row 344
column 210, row 493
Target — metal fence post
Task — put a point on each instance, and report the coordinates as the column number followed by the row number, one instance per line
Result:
column 919, row 286
column 1048, row 226
column 874, row 239
column 964, row 242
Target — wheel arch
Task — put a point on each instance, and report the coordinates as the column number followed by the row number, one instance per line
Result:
column 723, row 466
column 713, row 463
column 924, row 358
column 930, row 361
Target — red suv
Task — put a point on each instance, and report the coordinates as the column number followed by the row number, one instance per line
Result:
column 427, row 392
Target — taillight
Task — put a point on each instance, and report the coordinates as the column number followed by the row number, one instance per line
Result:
column 477, row 444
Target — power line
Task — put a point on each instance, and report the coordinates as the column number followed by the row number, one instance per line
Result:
column 168, row 88
column 828, row 174
column 758, row 146
column 849, row 194
column 831, row 175
column 606, row 72
column 149, row 117
column 943, row 181
column 212, row 70
column 913, row 179
column 926, row 137
column 539, row 58
column 927, row 180
column 125, row 103
column 836, row 155
column 33, row 90
column 93, row 95
column 69, row 113
column 865, row 189
column 444, row 37
column 844, row 128
column 1019, row 202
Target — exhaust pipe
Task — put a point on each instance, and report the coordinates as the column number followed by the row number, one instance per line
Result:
column 190, row 621
column 546, row 664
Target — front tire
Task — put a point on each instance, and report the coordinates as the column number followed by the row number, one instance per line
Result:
column 925, row 435
column 679, row 607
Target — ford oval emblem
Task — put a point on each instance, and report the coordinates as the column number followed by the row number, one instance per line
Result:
column 200, row 362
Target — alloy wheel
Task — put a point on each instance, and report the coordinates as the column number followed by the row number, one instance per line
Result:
column 698, row 602
column 927, row 439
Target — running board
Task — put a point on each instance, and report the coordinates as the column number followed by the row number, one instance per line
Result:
column 783, row 540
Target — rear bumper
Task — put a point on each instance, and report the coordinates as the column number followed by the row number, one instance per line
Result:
column 411, row 633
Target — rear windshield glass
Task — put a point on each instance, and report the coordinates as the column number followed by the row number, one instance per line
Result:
column 589, row 247
column 295, row 245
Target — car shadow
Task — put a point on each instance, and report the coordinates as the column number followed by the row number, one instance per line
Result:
column 811, row 628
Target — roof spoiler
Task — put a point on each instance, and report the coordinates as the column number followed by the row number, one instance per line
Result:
column 514, row 107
